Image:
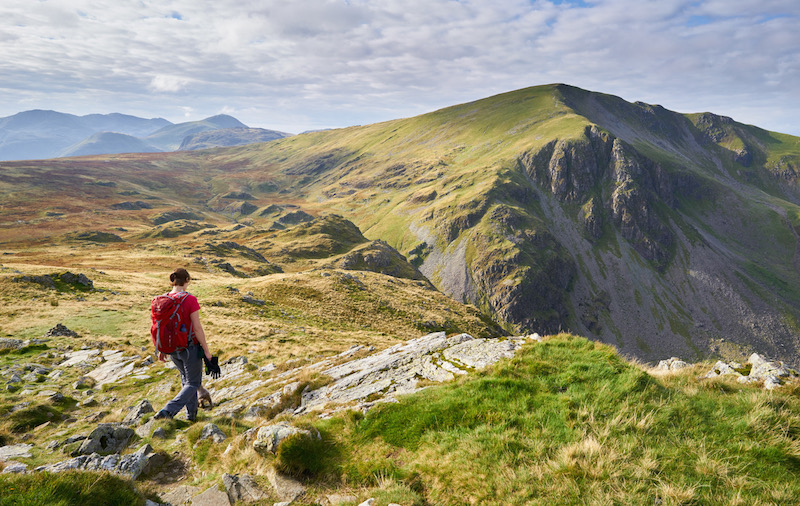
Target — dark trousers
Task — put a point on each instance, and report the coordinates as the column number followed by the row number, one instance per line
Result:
column 190, row 365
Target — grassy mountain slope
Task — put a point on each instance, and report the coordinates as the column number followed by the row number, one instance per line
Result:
column 549, row 207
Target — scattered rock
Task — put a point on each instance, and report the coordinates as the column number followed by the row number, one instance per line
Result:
column 90, row 356
column 84, row 382
column 770, row 374
column 212, row 496
column 106, row 439
column 134, row 416
column 721, row 368
column 115, row 367
column 15, row 468
column 52, row 396
column 211, row 431
column 77, row 279
column 180, row 495
column 10, row 344
column 671, row 364
column 88, row 402
column 143, row 461
column 763, row 368
column 129, row 466
column 335, row 499
column 249, row 299
column 19, row 451
column 772, row 382
column 242, row 488
column 287, row 489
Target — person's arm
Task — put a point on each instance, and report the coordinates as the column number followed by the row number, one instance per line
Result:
column 199, row 334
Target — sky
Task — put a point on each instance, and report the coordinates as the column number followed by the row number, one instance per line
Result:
column 310, row 64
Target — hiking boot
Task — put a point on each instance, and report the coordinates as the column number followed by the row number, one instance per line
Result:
column 162, row 415
column 192, row 417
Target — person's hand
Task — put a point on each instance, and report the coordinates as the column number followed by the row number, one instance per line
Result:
column 212, row 367
column 162, row 356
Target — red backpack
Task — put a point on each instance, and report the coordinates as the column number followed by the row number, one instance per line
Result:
column 169, row 333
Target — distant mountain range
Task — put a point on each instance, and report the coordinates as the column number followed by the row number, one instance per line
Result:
column 39, row 134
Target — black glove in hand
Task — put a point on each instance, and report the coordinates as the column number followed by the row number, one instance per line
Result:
column 212, row 367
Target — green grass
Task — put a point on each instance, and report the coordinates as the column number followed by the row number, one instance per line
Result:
column 570, row 419
column 68, row 489
column 30, row 417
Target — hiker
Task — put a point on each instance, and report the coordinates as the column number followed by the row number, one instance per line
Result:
column 185, row 344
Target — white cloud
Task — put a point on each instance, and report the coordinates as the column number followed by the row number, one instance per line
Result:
column 170, row 84
column 334, row 62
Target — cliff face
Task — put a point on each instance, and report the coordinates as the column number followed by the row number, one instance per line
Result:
column 611, row 182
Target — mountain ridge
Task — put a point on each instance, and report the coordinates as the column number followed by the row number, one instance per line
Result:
column 41, row 134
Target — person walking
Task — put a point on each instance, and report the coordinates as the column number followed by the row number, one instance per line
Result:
column 188, row 360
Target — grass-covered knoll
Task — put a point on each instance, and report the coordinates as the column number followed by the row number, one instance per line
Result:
column 569, row 420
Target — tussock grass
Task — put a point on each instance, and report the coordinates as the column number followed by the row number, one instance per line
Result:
column 570, row 419
column 68, row 488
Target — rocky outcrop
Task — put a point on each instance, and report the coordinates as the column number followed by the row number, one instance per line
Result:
column 61, row 330
column 135, row 415
column 106, row 439
column 672, row 364
column 377, row 256
column 398, row 370
column 212, row 432
column 599, row 167
column 758, row 370
column 18, row 451
column 176, row 228
column 360, row 383
column 268, row 438
column 286, row 488
column 131, row 466
column 168, row 216
column 55, row 281
column 131, row 206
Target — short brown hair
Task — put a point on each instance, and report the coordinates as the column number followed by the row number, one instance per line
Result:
column 179, row 277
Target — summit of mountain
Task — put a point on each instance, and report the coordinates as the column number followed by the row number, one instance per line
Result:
column 171, row 137
column 549, row 208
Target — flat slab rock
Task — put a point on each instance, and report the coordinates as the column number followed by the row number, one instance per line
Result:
column 20, row 451
column 398, row 369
